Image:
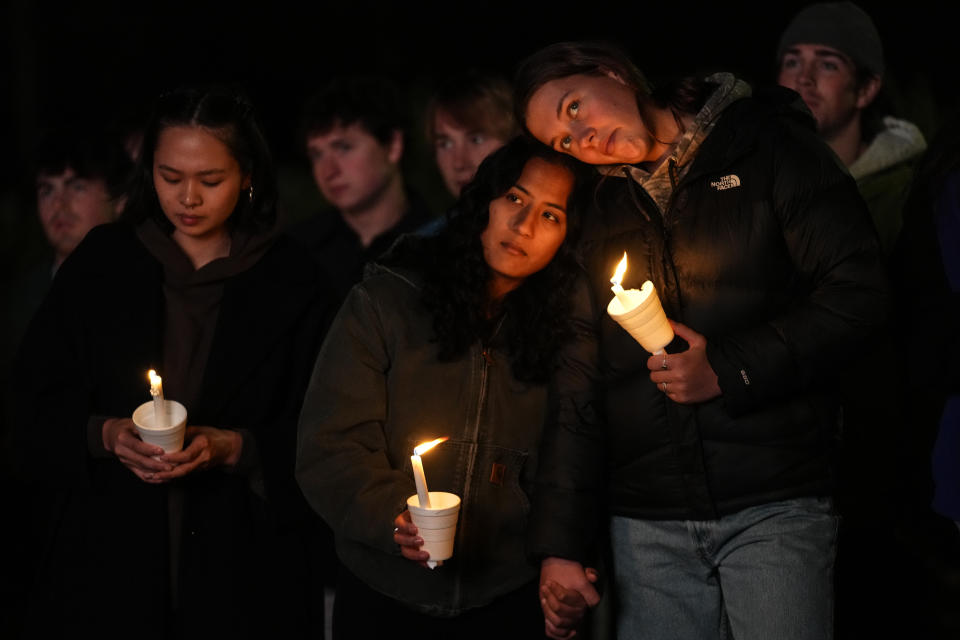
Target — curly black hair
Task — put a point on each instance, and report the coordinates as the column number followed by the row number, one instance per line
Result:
column 536, row 314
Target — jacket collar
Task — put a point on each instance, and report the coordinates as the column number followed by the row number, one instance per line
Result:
column 899, row 142
column 661, row 182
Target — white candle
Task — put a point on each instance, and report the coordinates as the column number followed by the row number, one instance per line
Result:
column 156, row 390
column 421, row 480
column 639, row 312
column 418, row 476
column 617, row 279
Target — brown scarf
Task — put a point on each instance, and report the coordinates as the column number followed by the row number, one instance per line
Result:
column 192, row 299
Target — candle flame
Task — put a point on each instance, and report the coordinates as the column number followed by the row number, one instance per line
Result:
column 621, row 269
column 421, row 449
column 156, row 385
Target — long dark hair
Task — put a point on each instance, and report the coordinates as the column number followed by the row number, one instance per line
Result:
column 227, row 114
column 596, row 58
column 535, row 314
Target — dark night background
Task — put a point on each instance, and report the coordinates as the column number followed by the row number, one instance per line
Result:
column 92, row 62
column 103, row 62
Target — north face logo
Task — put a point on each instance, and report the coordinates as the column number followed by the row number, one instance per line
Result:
column 726, row 182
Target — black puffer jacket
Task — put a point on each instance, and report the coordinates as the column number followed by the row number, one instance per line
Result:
column 767, row 249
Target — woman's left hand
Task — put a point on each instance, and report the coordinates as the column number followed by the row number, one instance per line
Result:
column 206, row 448
column 685, row 377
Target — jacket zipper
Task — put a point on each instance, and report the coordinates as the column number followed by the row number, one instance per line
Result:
column 484, row 361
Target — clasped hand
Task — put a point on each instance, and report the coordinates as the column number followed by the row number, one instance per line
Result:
column 566, row 592
column 206, row 448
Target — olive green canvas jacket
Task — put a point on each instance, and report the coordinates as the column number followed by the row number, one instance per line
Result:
column 378, row 390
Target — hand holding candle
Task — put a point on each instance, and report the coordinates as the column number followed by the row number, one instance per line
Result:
column 639, row 312
column 434, row 513
column 163, row 423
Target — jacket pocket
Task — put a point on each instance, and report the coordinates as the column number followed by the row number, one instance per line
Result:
column 495, row 474
column 493, row 535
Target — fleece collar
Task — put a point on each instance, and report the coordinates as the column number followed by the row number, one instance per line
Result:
column 898, row 142
column 663, row 179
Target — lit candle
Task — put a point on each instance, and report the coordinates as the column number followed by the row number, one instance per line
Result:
column 418, row 476
column 156, row 390
column 617, row 279
column 639, row 312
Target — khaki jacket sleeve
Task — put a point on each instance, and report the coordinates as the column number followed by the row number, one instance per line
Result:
column 343, row 467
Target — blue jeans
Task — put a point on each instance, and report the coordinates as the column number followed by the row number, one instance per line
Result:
column 763, row 573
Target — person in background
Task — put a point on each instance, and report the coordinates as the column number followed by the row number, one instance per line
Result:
column 832, row 55
column 469, row 116
column 453, row 335
column 79, row 181
column 353, row 131
column 938, row 189
column 926, row 272
column 712, row 461
column 196, row 282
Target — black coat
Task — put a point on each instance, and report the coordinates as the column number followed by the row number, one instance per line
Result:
column 768, row 251
column 102, row 541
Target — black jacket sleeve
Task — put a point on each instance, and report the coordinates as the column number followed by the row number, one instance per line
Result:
column 566, row 507
column 831, row 242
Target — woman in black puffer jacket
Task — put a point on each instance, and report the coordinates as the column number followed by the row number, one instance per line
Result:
column 714, row 459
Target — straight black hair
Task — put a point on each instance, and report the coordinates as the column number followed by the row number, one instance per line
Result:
column 227, row 114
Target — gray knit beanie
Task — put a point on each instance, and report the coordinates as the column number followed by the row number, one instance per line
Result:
column 841, row 25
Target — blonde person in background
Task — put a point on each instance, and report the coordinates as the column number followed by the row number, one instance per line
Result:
column 469, row 116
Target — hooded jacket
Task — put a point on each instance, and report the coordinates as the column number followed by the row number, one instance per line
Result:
column 884, row 173
column 102, row 537
column 760, row 242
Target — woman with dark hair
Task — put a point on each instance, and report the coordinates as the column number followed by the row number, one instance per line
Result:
column 450, row 335
column 713, row 459
column 469, row 116
column 196, row 283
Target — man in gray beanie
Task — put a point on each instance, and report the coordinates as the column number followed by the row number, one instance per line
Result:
column 831, row 55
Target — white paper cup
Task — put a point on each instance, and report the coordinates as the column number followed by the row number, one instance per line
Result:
column 437, row 525
column 645, row 320
column 169, row 438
